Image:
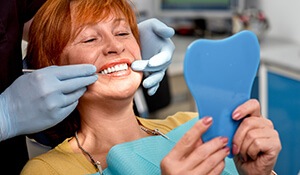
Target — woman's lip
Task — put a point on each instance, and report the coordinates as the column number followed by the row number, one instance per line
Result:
column 113, row 63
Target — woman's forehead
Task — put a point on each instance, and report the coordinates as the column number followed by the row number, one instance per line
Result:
column 94, row 15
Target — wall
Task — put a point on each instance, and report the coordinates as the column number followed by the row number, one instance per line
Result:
column 145, row 8
column 284, row 18
column 282, row 15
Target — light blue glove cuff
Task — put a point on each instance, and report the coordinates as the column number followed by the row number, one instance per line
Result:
column 5, row 122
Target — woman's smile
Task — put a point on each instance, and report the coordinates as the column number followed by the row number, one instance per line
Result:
column 116, row 68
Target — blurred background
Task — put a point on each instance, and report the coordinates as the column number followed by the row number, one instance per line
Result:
column 277, row 84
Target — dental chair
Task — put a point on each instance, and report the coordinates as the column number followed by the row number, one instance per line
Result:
column 34, row 148
column 144, row 104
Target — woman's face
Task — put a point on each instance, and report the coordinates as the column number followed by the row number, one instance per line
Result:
column 111, row 47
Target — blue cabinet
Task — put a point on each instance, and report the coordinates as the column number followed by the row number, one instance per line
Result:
column 279, row 95
column 284, row 111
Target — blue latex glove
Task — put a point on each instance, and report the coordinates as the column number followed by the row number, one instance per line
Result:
column 157, row 51
column 43, row 98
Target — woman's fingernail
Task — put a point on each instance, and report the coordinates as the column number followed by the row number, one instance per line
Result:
column 227, row 149
column 224, row 140
column 236, row 115
column 244, row 159
column 207, row 120
column 235, row 149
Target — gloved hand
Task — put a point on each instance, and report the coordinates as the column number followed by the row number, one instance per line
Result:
column 43, row 98
column 157, row 51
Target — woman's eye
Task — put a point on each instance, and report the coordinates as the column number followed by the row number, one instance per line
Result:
column 123, row 33
column 89, row 40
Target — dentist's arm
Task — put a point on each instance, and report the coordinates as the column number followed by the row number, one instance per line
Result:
column 43, row 98
column 157, row 51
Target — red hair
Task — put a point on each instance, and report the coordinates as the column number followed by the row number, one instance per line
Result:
column 54, row 26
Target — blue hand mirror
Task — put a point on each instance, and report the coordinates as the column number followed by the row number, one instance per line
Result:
column 219, row 75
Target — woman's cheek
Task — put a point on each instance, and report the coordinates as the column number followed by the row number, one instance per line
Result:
column 78, row 56
column 138, row 54
column 135, row 50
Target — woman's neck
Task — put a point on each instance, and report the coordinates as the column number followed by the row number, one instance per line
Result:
column 104, row 126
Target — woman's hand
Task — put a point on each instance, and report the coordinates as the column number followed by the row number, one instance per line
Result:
column 191, row 156
column 256, row 143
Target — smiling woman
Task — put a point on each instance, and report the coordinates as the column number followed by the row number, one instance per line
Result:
column 106, row 35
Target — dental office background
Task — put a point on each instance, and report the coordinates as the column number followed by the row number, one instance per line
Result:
column 277, row 25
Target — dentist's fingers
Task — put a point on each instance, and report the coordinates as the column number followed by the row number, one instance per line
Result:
column 151, row 91
column 139, row 65
column 156, row 63
column 71, row 71
column 65, row 79
column 154, row 79
column 162, row 29
column 164, row 57
column 70, row 85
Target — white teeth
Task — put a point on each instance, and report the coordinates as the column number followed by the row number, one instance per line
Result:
column 118, row 67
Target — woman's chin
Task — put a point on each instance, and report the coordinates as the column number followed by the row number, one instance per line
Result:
column 119, row 92
column 114, row 88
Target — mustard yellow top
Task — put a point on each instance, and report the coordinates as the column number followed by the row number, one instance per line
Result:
column 63, row 160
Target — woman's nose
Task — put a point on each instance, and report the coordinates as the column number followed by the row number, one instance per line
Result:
column 113, row 46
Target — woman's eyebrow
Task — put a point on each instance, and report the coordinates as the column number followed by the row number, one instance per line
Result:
column 119, row 20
